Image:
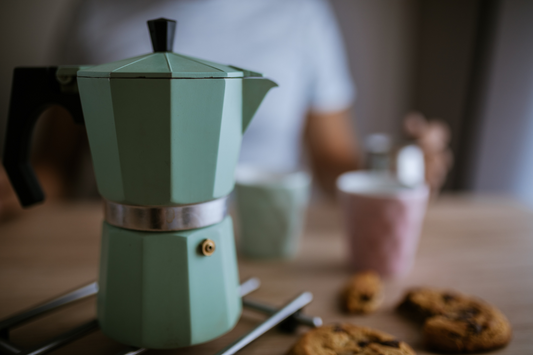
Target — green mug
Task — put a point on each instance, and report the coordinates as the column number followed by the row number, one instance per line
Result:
column 271, row 210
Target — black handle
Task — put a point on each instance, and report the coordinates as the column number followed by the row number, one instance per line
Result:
column 162, row 32
column 33, row 91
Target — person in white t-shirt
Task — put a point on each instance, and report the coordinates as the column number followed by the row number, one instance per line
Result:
column 296, row 43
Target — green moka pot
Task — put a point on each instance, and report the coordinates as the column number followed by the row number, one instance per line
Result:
column 165, row 132
column 165, row 129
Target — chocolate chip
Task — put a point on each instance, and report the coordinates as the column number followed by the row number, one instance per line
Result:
column 448, row 297
column 464, row 316
column 454, row 335
column 475, row 328
column 473, row 310
column 338, row 329
column 391, row 343
column 363, row 343
column 467, row 313
column 365, row 298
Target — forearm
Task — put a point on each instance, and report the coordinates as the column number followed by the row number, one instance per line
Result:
column 331, row 146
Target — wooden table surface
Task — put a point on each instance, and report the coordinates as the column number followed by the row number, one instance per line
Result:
column 482, row 246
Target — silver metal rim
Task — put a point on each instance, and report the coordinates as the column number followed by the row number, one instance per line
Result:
column 165, row 218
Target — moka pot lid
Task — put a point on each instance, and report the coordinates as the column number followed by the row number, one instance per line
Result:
column 164, row 63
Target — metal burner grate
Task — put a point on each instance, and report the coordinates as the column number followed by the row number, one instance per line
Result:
column 288, row 317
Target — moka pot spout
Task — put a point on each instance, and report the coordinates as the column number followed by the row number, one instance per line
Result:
column 254, row 90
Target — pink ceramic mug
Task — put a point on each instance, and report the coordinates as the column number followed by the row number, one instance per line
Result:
column 383, row 220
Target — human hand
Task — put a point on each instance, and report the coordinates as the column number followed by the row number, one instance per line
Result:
column 433, row 137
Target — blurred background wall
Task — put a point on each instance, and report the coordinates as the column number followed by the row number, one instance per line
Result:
column 28, row 29
column 380, row 43
column 503, row 154
column 467, row 62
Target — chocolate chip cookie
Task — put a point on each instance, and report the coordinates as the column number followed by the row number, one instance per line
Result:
column 454, row 322
column 349, row 339
column 363, row 293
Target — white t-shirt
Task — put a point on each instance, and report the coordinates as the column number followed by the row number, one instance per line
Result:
column 296, row 43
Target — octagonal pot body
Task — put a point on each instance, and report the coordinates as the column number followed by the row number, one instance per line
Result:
column 163, row 141
column 158, row 291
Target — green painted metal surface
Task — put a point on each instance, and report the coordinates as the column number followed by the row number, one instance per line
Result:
column 157, row 290
column 163, row 65
column 254, row 91
column 196, row 138
column 167, row 141
column 100, row 125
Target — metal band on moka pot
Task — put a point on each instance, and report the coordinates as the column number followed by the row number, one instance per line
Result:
column 165, row 218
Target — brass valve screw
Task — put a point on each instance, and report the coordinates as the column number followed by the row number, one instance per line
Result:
column 208, row 247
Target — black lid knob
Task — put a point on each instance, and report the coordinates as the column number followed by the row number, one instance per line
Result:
column 162, row 32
